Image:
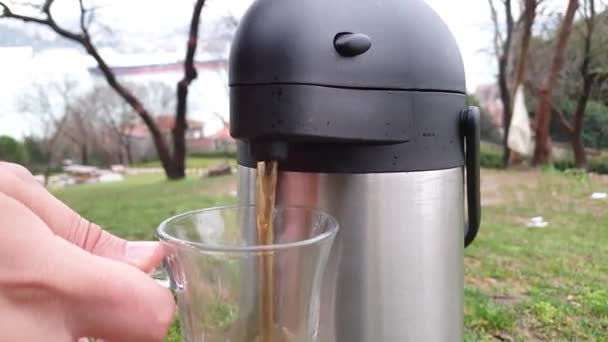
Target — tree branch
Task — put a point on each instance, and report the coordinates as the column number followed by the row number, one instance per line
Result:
column 599, row 75
column 509, row 12
column 189, row 69
column 7, row 13
column 562, row 119
column 83, row 15
column 46, row 9
column 47, row 21
column 497, row 34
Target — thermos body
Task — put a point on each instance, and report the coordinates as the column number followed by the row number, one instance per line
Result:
column 397, row 265
column 363, row 106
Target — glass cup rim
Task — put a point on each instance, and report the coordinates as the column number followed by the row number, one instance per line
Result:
column 163, row 236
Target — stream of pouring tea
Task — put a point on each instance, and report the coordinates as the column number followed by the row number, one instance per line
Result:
column 266, row 183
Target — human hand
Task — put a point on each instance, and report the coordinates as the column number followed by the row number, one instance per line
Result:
column 62, row 278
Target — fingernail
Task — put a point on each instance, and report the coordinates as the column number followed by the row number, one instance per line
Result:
column 140, row 252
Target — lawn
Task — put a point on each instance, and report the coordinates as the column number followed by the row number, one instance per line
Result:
column 134, row 208
column 522, row 284
column 191, row 163
column 545, row 284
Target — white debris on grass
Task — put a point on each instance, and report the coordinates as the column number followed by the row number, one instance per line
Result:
column 599, row 195
column 110, row 177
column 537, row 222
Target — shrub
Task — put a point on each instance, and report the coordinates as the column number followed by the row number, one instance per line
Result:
column 596, row 165
column 12, row 151
column 490, row 156
column 599, row 165
column 564, row 164
column 214, row 154
column 595, row 123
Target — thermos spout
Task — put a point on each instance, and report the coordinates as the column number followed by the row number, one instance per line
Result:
column 268, row 150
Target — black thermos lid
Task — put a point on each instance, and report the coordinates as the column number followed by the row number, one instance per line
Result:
column 346, row 86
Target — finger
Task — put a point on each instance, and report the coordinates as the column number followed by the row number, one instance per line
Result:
column 58, row 216
column 109, row 299
column 15, row 182
column 19, row 171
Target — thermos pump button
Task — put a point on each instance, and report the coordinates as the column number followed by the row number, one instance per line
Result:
column 352, row 44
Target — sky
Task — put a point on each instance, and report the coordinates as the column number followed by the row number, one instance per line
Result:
column 468, row 20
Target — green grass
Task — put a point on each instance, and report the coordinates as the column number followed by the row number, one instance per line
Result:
column 554, row 278
column 522, row 284
column 191, row 162
column 134, row 208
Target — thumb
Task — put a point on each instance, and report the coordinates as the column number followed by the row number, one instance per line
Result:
column 110, row 299
column 145, row 255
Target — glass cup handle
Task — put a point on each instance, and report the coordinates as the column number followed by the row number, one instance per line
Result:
column 162, row 277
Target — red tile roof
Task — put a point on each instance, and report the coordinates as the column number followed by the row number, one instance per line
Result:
column 165, row 124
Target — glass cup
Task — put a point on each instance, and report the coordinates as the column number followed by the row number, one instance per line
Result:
column 229, row 287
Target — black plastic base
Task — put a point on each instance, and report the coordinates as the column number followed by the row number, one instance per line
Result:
column 432, row 121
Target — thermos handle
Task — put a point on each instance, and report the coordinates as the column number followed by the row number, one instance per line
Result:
column 470, row 126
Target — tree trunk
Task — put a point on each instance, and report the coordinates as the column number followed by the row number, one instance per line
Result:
column 121, row 156
column 129, row 153
column 578, row 147
column 125, row 150
column 84, row 154
column 47, row 170
column 226, row 152
column 171, row 170
column 542, row 151
column 179, row 131
column 181, row 125
column 580, row 155
column 529, row 17
column 505, row 97
column 503, row 83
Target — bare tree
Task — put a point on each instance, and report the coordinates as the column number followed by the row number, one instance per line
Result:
column 158, row 95
column 106, row 113
column 502, row 47
column 117, row 123
column 118, row 120
column 173, row 162
column 542, row 151
column 79, row 128
column 50, row 106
